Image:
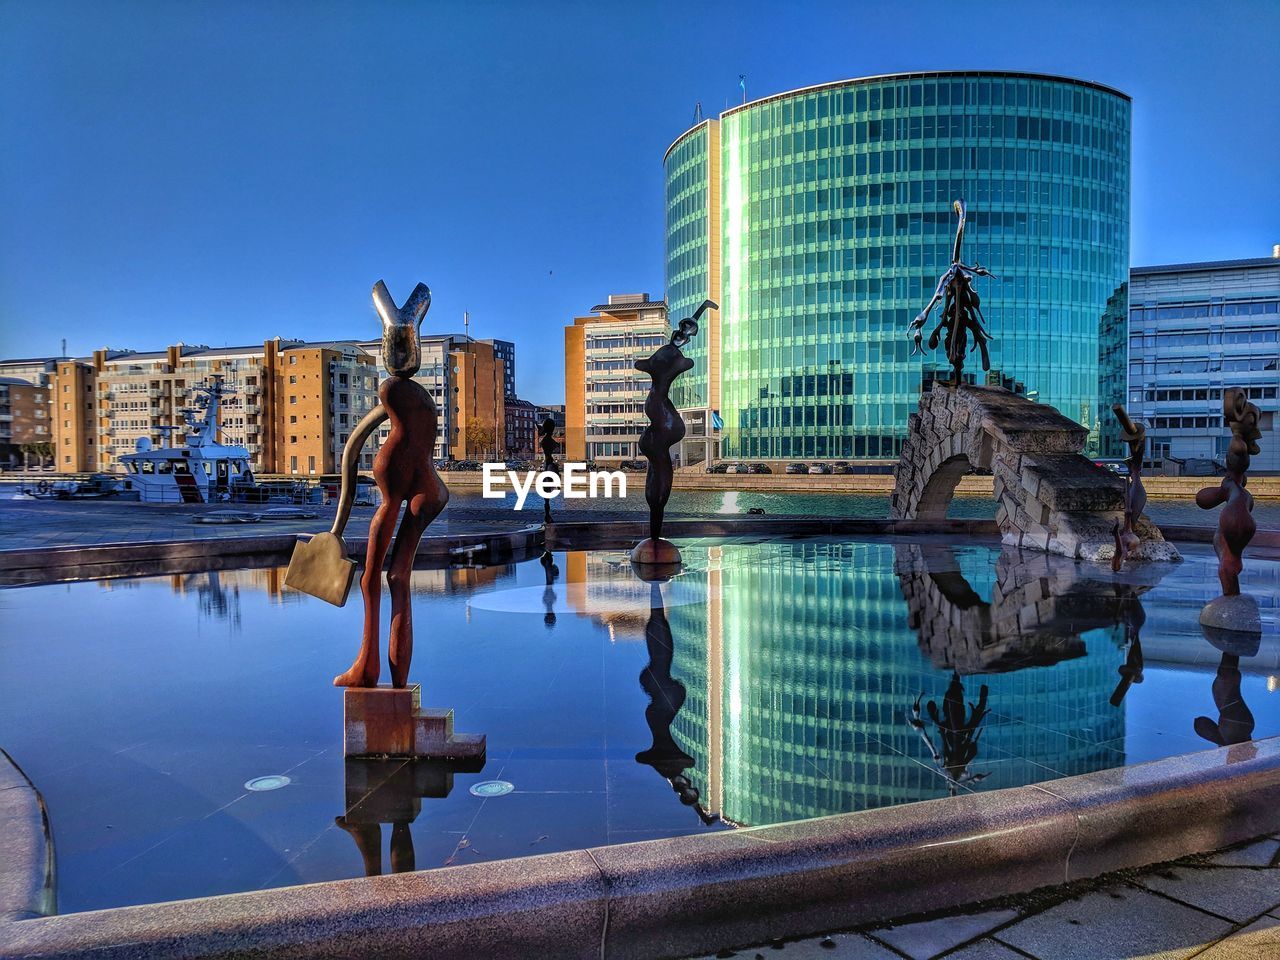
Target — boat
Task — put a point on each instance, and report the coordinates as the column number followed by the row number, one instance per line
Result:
column 200, row 471
column 97, row 487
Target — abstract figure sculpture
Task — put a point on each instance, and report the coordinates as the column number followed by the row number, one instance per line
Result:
column 961, row 309
column 1135, row 494
column 547, row 431
column 405, row 473
column 1236, row 525
column 666, row 428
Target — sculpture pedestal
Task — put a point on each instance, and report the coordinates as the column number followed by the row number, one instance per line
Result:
column 655, row 551
column 1237, row 614
column 385, row 721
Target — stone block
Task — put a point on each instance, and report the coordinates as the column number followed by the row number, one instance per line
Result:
column 388, row 722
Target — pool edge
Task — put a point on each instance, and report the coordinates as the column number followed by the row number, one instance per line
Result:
column 681, row 896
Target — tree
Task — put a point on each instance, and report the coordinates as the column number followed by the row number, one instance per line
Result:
column 480, row 437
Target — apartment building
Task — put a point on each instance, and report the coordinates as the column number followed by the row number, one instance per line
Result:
column 604, row 393
column 523, row 419
column 37, row 371
column 467, row 380
column 290, row 404
column 24, row 419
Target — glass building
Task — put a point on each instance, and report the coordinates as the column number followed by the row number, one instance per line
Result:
column 820, row 220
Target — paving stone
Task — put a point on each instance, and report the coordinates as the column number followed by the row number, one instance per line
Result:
column 1260, row 854
column 838, row 946
column 930, row 937
column 1235, row 894
column 1258, row 941
column 986, row 950
column 1116, row 923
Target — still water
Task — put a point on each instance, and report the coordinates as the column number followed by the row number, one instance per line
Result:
column 770, row 681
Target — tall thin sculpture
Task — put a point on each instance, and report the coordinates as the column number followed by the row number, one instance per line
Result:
column 1236, row 525
column 961, row 315
column 405, row 473
column 1135, row 494
column 547, row 432
column 665, row 430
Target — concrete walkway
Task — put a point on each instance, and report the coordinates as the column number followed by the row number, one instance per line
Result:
column 1223, row 906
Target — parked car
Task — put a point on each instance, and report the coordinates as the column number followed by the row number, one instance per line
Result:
column 1116, row 465
column 759, row 468
column 842, row 468
column 794, row 468
column 634, row 466
column 718, row 468
column 817, row 468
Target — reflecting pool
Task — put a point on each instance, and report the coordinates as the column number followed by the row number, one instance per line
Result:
column 187, row 741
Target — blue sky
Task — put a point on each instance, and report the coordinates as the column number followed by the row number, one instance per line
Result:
column 226, row 172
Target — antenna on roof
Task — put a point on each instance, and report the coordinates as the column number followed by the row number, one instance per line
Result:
column 64, row 346
column 466, row 324
column 697, row 112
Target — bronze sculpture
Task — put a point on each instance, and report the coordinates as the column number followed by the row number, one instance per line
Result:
column 1236, row 525
column 405, row 473
column 665, row 430
column 547, row 432
column 1135, row 494
column 961, row 308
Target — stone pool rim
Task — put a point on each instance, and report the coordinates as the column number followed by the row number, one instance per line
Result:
column 688, row 895
column 679, row 896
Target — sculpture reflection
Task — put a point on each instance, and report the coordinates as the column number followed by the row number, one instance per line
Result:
column 666, row 697
column 391, row 792
column 551, row 572
column 957, row 733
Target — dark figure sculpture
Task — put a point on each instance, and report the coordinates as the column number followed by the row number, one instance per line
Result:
column 1236, row 525
column 666, row 697
column 1235, row 720
column 547, row 431
column 961, row 309
column 959, row 735
column 405, row 473
column 665, row 430
column 1135, row 495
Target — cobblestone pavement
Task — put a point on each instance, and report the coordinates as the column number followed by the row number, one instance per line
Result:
column 1224, row 906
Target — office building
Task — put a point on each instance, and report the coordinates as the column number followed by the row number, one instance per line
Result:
column 505, row 351
column 820, row 220
column 1195, row 329
column 604, row 392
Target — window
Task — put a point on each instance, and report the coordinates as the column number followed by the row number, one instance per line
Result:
column 293, row 398
column 293, row 379
column 293, row 360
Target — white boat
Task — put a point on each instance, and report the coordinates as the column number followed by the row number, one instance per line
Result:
column 201, row 471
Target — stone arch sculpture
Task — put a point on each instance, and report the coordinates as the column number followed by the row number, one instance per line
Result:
column 1048, row 496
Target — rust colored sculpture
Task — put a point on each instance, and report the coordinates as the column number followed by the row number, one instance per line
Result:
column 405, row 473
column 961, row 316
column 666, row 428
column 1236, row 525
column 1135, row 496
column 547, row 431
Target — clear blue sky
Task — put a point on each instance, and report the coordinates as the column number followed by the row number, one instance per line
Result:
column 225, row 172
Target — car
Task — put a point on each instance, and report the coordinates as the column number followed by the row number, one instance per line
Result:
column 819, row 468
column 738, row 468
column 759, row 468
column 718, row 468
column 842, row 468
column 634, row 466
column 794, row 468
column 1116, row 465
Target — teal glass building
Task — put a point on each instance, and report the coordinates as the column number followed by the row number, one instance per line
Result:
column 820, row 220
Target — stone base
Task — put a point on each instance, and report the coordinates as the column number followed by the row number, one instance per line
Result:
column 1238, row 614
column 385, row 721
column 655, row 552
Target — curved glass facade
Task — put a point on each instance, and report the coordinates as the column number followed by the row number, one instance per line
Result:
column 836, row 221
